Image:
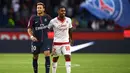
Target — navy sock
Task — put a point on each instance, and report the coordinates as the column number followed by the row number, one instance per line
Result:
column 35, row 66
column 47, row 64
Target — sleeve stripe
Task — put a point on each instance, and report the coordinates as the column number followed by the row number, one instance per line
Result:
column 30, row 22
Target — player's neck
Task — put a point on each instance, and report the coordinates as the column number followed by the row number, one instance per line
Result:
column 61, row 18
column 41, row 14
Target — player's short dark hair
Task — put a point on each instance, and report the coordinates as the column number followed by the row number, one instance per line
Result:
column 61, row 7
column 40, row 3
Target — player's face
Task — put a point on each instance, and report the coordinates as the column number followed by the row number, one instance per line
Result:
column 40, row 9
column 62, row 12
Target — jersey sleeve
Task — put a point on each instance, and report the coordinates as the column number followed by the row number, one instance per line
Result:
column 70, row 25
column 30, row 22
column 50, row 25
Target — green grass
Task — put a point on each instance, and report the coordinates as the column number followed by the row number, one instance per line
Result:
column 81, row 63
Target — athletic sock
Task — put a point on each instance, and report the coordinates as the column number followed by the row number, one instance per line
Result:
column 68, row 66
column 35, row 66
column 54, row 67
column 47, row 64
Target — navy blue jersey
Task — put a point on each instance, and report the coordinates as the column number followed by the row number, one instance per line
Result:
column 39, row 26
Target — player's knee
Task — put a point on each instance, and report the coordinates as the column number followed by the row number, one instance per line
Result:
column 55, row 59
column 67, row 57
column 35, row 56
column 47, row 53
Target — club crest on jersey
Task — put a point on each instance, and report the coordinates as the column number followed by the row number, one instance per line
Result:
column 67, row 21
column 45, row 20
column 36, row 22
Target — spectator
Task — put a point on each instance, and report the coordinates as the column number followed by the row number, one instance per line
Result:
column 75, row 23
column 11, row 22
column 24, row 16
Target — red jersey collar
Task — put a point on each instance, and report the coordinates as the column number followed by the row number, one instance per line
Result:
column 62, row 20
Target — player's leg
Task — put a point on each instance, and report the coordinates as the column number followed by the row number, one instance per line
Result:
column 68, row 63
column 46, row 49
column 47, row 60
column 35, row 64
column 56, row 52
column 54, row 64
column 67, row 54
column 35, row 50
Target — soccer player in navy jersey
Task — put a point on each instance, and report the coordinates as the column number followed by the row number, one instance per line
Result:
column 37, row 30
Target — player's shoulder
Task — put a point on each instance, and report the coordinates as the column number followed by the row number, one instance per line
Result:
column 33, row 16
column 54, row 19
column 68, row 19
column 48, row 16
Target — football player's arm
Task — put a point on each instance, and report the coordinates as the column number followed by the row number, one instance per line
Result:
column 70, row 33
column 29, row 30
column 31, row 35
column 50, row 25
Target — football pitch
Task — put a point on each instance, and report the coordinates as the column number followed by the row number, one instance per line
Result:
column 81, row 63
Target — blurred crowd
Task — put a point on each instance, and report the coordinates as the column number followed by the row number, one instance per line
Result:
column 16, row 13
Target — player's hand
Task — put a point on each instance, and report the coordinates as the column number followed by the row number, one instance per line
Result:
column 71, row 41
column 53, row 52
column 34, row 38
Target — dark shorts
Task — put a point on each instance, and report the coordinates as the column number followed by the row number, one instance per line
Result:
column 37, row 47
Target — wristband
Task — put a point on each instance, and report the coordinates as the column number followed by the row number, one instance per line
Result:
column 31, row 37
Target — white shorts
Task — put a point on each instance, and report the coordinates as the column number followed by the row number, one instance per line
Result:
column 61, row 50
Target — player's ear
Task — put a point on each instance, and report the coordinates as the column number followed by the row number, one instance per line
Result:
column 43, row 9
column 58, row 11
